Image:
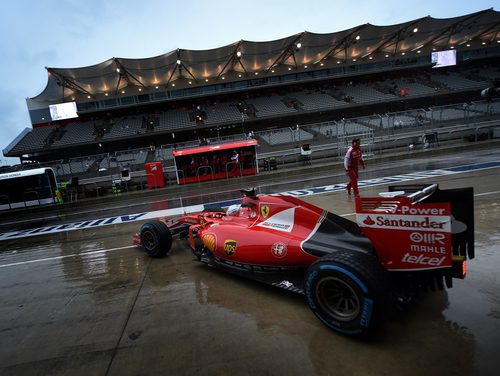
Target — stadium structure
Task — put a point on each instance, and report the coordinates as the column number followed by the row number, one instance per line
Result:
column 394, row 86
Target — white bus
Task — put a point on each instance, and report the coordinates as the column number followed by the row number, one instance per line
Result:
column 20, row 189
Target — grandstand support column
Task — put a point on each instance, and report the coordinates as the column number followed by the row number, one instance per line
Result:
column 342, row 136
column 339, row 134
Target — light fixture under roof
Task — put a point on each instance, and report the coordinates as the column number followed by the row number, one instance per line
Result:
column 358, row 37
column 415, row 29
column 179, row 62
column 299, row 45
column 117, row 70
column 238, row 53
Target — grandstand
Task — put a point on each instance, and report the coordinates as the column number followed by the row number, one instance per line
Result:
column 382, row 83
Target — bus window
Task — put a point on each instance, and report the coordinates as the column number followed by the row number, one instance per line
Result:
column 20, row 189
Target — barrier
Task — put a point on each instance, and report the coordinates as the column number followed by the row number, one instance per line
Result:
column 202, row 168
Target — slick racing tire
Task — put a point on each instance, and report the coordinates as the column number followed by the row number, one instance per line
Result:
column 346, row 291
column 156, row 238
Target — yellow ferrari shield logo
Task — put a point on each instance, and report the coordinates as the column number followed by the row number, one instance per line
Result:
column 209, row 241
column 264, row 211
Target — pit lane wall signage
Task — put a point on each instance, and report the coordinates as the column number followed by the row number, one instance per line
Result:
column 93, row 223
column 194, row 208
column 407, row 236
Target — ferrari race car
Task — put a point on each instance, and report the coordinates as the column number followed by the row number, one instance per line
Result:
column 353, row 275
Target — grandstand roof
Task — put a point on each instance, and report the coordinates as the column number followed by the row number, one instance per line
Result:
column 246, row 59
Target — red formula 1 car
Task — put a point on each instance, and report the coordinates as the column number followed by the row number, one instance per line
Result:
column 352, row 274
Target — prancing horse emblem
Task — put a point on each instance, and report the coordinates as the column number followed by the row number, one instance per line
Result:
column 264, row 211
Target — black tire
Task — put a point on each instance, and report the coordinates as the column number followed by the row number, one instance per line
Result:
column 156, row 238
column 346, row 290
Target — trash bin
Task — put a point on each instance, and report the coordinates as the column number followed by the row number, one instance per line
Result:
column 154, row 175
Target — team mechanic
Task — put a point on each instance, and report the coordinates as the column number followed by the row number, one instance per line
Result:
column 353, row 157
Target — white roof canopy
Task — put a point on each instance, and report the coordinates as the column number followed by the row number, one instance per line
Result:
column 246, row 59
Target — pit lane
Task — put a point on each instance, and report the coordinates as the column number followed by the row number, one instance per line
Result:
column 87, row 302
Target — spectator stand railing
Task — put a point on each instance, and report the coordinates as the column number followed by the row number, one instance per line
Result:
column 330, row 139
column 204, row 169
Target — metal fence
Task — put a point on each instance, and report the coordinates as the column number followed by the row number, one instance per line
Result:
column 378, row 133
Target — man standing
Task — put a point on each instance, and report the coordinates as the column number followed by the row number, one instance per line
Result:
column 352, row 158
column 235, row 159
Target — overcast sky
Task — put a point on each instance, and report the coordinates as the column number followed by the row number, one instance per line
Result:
column 35, row 34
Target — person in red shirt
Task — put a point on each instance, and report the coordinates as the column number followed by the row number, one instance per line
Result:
column 353, row 157
column 214, row 163
column 223, row 163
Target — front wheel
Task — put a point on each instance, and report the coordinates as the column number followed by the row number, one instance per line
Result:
column 156, row 238
column 347, row 292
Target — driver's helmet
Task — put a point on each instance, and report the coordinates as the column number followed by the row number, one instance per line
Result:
column 233, row 210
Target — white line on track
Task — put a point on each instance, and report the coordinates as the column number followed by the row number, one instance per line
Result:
column 195, row 208
column 66, row 256
column 487, row 193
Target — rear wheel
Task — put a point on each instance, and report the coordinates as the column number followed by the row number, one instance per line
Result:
column 156, row 238
column 347, row 292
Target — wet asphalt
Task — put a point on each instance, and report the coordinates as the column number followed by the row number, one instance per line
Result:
column 87, row 302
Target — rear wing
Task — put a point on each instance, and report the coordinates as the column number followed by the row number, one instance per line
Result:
column 419, row 227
